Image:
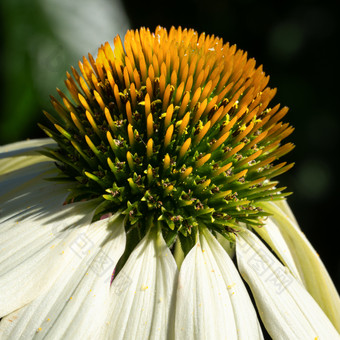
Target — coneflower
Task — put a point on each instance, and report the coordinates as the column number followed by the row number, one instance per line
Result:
column 162, row 169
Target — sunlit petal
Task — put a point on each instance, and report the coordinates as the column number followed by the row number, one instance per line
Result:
column 286, row 308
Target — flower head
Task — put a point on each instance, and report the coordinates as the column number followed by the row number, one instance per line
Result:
column 161, row 168
column 175, row 128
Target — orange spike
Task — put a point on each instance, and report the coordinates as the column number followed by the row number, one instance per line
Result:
column 166, row 98
column 198, row 81
column 184, row 71
column 186, row 173
column 92, row 122
column 249, row 159
column 235, row 177
column 126, row 77
column 243, row 134
column 151, row 73
column 168, row 136
column 195, row 98
column 149, row 148
column 223, row 169
column 142, row 66
column 73, row 90
column 77, row 123
column 184, row 148
column 210, row 105
column 155, row 65
column 233, row 151
column 256, row 140
column 133, row 95
column 203, row 132
column 130, row 160
column 184, row 124
column 162, row 84
column 147, row 105
column 131, row 135
column 173, row 79
column 224, row 92
column 99, row 100
column 85, row 88
column 149, row 125
column 128, row 112
column 111, row 80
column 188, row 85
column 179, row 93
column 166, row 163
column 184, row 104
column 202, row 160
column 109, row 119
column 149, row 88
column 206, row 90
column 219, row 142
column 168, row 115
column 119, row 49
column 84, row 103
column 200, row 111
column 136, row 78
column 216, row 115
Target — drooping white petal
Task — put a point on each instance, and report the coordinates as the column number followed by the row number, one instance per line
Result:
column 212, row 302
column 141, row 294
column 75, row 305
column 26, row 145
column 22, row 154
column 23, row 171
column 273, row 236
column 22, row 182
column 36, row 249
column 33, row 198
column 283, row 205
column 247, row 325
column 308, row 263
column 286, row 308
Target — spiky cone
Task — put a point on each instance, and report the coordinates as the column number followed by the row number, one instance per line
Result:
column 174, row 132
column 172, row 128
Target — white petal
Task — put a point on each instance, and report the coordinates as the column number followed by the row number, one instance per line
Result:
column 32, row 198
column 22, row 181
column 273, row 236
column 245, row 316
column 36, row 251
column 212, row 302
column 141, row 294
column 22, row 154
column 283, row 205
column 27, row 145
column 75, row 305
column 311, row 269
column 286, row 308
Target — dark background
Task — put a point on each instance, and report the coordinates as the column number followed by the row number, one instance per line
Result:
column 296, row 41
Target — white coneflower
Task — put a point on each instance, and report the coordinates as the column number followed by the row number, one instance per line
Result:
column 159, row 170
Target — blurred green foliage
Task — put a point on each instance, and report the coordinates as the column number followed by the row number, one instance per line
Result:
column 20, row 100
column 40, row 40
